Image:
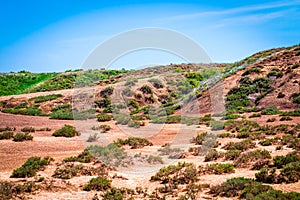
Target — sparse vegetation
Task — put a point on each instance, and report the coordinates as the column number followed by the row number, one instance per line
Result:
column 104, row 117
column 85, row 157
column 40, row 99
column 31, row 167
column 6, row 135
column 134, row 142
column 111, row 154
column 98, row 184
column 20, row 137
column 66, row 131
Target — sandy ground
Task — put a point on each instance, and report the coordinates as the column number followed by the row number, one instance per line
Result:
column 13, row 154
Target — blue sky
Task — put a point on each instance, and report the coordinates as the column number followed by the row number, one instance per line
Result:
column 56, row 35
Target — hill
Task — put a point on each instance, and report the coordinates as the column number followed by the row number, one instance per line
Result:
column 165, row 132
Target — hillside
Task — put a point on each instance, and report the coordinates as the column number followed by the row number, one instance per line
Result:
column 165, row 132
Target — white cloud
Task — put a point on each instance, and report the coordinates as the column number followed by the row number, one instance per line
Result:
column 233, row 10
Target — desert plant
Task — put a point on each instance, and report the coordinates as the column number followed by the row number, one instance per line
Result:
column 98, row 184
column 255, row 115
column 6, row 135
column 104, row 117
column 85, row 157
column 217, row 125
column 242, row 145
column 40, row 99
column 31, row 167
column 211, row 155
column 146, row 89
column 107, row 91
column 220, row 168
column 271, row 120
column 7, row 128
column 134, row 142
column 111, row 154
column 232, row 154
column 66, row 131
column 28, row 129
column 281, row 161
column 246, row 158
column 271, row 110
column 156, row 83
column 285, row 118
column 113, row 194
column 20, row 137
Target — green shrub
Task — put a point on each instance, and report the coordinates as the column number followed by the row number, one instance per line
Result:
column 226, row 135
column 104, row 117
column 266, row 176
column 113, row 194
column 281, row 161
column 271, row 110
column 248, row 189
column 103, row 103
column 135, row 124
column 7, row 128
column 85, row 157
column 285, row 118
column 220, row 168
column 198, row 140
column 211, row 155
column 277, row 195
column 217, row 125
column 146, row 89
column 32, row 111
column 232, row 154
column 62, row 107
column 252, row 70
column 255, row 115
column 107, row 91
column 20, row 137
column 290, row 173
column 275, row 72
column 98, row 184
column 28, row 129
column 31, row 167
column 232, row 187
column 40, row 99
column 182, row 173
column 266, row 142
column 271, row 120
column 134, row 142
column 156, row 83
column 194, row 75
column 19, row 83
column 133, row 104
column 111, row 154
column 6, row 135
column 70, row 171
column 252, row 190
column 246, row 158
column 242, row 145
column 66, row 131
column 10, row 190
